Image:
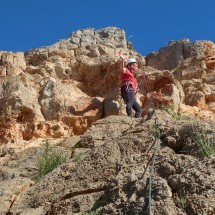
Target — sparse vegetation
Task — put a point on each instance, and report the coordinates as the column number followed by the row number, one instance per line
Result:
column 80, row 156
column 170, row 110
column 90, row 213
column 182, row 200
column 152, row 127
column 96, row 209
column 204, row 143
column 48, row 159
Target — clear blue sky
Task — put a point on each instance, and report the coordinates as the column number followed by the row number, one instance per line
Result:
column 149, row 24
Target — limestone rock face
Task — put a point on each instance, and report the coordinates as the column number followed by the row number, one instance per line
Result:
column 170, row 56
column 110, row 36
column 113, row 171
column 59, row 90
column 11, row 63
column 69, row 95
column 192, row 65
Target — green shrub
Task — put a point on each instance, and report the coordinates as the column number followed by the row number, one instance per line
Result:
column 182, row 200
column 48, row 159
column 96, row 209
column 81, row 156
column 170, row 110
column 205, row 144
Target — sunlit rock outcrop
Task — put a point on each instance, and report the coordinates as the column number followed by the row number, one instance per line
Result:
column 68, row 95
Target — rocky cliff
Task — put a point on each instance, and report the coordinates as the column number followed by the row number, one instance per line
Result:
column 69, row 93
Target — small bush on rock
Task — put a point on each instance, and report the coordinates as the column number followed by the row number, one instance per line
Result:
column 49, row 159
column 205, row 144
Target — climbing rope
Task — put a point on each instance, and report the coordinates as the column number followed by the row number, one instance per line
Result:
column 152, row 166
column 157, row 141
column 156, row 144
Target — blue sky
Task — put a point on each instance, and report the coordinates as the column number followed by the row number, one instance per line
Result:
column 149, row 24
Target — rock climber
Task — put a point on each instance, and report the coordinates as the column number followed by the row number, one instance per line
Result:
column 129, row 85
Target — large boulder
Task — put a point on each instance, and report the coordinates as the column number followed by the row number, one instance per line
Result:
column 172, row 55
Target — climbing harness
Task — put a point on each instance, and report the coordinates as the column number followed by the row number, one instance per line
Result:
column 128, row 86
